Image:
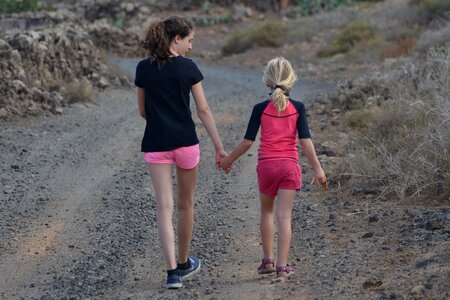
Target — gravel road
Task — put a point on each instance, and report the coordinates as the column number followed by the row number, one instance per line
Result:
column 77, row 214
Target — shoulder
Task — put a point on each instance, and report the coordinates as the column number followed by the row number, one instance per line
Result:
column 185, row 61
column 297, row 104
column 143, row 64
column 261, row 105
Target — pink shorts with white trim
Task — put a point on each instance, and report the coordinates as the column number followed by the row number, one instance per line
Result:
column 278, row 174
column 184, row 157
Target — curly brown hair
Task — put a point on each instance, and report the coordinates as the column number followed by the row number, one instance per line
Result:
column 160, row 35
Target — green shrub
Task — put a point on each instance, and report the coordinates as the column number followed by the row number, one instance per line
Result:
column 353, row 33
column 14, row 6
column 269, row 34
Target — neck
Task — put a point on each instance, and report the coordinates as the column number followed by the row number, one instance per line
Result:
column 173, row 51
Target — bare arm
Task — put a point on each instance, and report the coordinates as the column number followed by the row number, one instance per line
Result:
column 141, row 102
column 310, row 152
column 240, row 149
column 205, row 115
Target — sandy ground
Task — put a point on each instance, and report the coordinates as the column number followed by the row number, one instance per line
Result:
column 77, row 214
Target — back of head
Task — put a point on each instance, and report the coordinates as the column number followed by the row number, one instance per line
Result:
column 160, row 34
column 280, row 77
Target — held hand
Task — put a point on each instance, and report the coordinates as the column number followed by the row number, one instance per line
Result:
column 226, row 165
column 220, row 155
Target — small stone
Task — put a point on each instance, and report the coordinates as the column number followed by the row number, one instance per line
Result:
column 421, row 263
column 373, row 219
column 433, row 225
column 418, row 290
column 368, row 235
column 372, row 282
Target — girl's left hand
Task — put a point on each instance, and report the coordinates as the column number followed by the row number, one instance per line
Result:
column 319, row 178
column 225, row 165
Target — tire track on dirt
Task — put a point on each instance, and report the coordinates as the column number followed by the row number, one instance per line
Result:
column 52, row 235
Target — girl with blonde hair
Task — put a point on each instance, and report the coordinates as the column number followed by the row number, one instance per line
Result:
column 283, row 123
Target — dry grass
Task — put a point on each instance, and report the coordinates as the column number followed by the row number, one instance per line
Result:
column 405, row 148
column 79, row 92
column 401, row 48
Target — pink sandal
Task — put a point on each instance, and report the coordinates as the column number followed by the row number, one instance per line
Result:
column 285, row 269
column 263, row 269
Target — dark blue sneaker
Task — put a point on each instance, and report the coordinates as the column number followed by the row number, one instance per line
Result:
column 173, row 282
column 194, row 267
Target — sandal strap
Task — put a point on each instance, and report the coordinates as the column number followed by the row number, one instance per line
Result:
column 266, row 261
column 286, row 269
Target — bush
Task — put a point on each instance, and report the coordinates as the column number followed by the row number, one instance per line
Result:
column 79, row 92
column 311, row 7
column 432, row 9
column 269, row 34
column 353, row 33
column 403, row 47
column 359, row 118
column 14, row 6
column 405, row 148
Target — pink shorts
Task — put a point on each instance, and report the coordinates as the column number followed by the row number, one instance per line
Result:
column 184, row 157
column 278, row 174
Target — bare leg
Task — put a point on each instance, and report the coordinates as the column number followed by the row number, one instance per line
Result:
column 186, row 186
column 284, row 213
column 161, row 175
column 266, row 225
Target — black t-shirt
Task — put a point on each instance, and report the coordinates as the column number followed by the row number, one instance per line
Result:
column 169, row 119
column 258, row 111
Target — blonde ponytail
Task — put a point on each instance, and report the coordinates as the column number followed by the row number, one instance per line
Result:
column 280, row 77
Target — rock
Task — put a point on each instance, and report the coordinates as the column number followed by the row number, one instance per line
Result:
column 103, row 83
column 418, row 290
column 4, row 46
column 3, row 113
column 372, row 282
column 421, row 263
column 367, row 235
column 433, row 225
column 373, row 219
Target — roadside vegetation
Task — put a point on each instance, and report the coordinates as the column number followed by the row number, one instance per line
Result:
column 79, row 92
column 269, row 34
column 14, row 6
column 403, row 145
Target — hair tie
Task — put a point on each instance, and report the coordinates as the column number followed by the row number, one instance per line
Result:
column 277, row 86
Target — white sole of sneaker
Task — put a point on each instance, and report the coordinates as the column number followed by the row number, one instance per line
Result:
column 173, row 286
column 193, row 272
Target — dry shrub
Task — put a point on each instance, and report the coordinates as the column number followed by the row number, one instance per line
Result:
column 434, row 38
column 360, row 118
column 431, row 9
column 269, row 34
column 79, row 92
column 403, row 47
column 354, row 33
column 405, row 149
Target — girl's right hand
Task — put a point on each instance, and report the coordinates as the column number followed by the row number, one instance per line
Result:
column 220, row 154
column 320, row 178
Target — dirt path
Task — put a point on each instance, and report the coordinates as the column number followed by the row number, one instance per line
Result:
column 77, row 215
